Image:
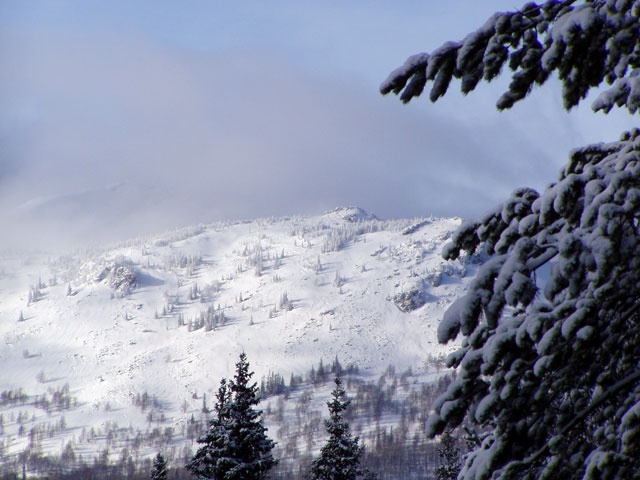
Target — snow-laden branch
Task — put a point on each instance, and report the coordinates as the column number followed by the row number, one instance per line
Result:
column 535, row 353
column 579, row 417
column 584, row 42
column 525, row 371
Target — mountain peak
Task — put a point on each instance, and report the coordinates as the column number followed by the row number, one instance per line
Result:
column 351, row 214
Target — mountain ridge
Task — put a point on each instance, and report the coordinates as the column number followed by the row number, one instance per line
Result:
column 168, row 315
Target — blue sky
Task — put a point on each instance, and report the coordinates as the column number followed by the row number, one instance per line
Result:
column 122, row 118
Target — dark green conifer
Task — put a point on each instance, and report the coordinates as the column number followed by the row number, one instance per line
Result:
column 160, row 470
column 235, row 446
column 340, row 457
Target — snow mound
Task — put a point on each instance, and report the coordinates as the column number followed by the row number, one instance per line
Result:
column 120, row 275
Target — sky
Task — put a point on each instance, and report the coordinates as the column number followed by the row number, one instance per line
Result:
column 127, row 118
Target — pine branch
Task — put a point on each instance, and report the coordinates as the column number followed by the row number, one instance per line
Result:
column 582, row 52
column 597, row 402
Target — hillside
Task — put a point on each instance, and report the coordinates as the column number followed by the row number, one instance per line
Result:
column 139, row 334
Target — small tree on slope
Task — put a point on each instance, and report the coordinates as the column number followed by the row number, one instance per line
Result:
column 340, row 457
column 160, row 470
column 550, row 373
column 235, row 446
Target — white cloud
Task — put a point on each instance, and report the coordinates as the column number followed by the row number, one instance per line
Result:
column 196, row 137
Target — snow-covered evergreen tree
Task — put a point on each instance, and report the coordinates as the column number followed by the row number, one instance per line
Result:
column 549, row 371
column 235, row 446
column 340, row 456
column 160, row 470
column 208, row 462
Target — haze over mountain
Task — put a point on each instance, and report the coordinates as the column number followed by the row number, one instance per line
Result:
column 218, row 112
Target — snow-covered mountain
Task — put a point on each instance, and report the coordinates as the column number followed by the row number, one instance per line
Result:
column 166, row 317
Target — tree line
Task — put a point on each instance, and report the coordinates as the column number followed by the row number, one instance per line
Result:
column 392, row 450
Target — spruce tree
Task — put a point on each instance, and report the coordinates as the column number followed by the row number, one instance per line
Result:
column 208, row 462
column 340, row 456
column 548, row 364
column 160, row 470
column 235, row 446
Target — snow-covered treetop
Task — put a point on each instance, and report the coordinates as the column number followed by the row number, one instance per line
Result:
column 584, row 42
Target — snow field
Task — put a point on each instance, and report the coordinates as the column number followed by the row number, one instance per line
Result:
column 289, row 292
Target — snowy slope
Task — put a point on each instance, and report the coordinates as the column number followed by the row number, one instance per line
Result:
column 117, row 323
